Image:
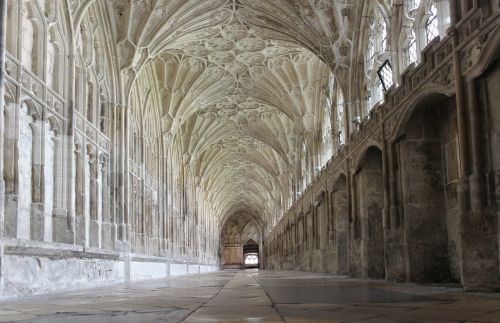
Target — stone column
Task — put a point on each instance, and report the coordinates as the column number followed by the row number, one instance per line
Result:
column 69, row 151
column 79, row 195
column 95, row 225
column 63, row 229
column 3, row 30
column 386, row 175
column 106, row 234
column 113, row 170
column 479, row 226
column 37, row 223
column 463, row 183
column 125, row 229
column 478, row 237
column 354, row 216
column 9, row 174
column 476, row 180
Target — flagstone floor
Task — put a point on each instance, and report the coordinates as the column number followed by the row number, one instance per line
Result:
column 257, row 296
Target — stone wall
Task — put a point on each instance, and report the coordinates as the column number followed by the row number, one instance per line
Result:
column 92, row 193
column 414, row 194
column 30, row 268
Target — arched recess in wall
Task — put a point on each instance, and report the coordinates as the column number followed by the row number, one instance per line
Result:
column 367, row 231
column 33, row 34
column 144, row 158
column 427, row 95
column 56, row 58
column 427, row 155
column 232, row 251
column 237, row 229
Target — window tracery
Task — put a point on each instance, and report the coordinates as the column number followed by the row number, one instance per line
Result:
column 326, row 150
column 431, row 26
column 410, row 49
column 423, row 21
column 340, row 116
column 376, row 53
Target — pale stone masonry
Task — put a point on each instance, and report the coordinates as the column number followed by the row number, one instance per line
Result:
column 152, row 138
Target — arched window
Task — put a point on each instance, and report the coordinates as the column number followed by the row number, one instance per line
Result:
column 376, row 55
column 410, row 50
column 303, row 166
column 340, row 116
column 326, row 134
column 423, row 21
column 370, row 53
column 432, row 24
column 381, row 33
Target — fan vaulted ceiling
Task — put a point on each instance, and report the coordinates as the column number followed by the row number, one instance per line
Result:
column 240, row 83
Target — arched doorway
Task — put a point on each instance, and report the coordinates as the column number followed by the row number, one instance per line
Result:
column 251, row 254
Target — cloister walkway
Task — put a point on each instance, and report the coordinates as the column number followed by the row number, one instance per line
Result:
column 257, row 296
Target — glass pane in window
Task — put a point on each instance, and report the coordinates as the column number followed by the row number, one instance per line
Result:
column 385, row 75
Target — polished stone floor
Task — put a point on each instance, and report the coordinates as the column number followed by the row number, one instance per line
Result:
column 257, row 296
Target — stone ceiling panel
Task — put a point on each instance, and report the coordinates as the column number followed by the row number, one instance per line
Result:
column 240, row 83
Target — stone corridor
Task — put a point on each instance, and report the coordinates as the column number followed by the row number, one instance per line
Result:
column 153, row 150
column 257, row 296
